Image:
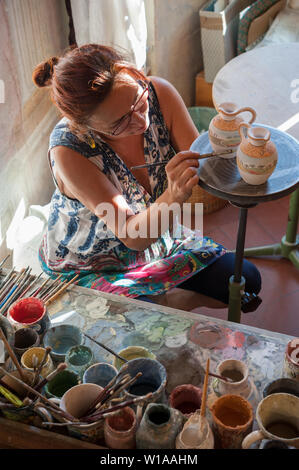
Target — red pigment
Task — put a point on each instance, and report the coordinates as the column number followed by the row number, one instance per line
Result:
column 121, row 422
column 27, row 310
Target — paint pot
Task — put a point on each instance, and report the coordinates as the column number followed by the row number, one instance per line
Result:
column 153, row 379
column 29, row 312
column 282, row 385
column 27, row 360
column 132, row 352
column 196, row 434
column 25, row 338
column 33, row 414
column 291, row 361
column 78, row 359
column 232, row 420
column 76, row 402
column 236, row 371
column 61, row 338
column 61, row 383
column 100, row 373
column 186, row 398
column 277, row 417
column 120, row 429
column 159, row 427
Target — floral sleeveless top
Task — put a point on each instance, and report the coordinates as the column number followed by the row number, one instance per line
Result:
column 74, row 241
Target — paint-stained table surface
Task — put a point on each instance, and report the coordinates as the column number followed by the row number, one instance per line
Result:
column 181, row 340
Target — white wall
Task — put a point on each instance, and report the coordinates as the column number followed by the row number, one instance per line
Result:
column 174, row 45
column 30, row 31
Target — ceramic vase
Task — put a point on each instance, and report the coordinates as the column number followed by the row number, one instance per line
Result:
column 256, row 155
column 159, row 427
column 224, row 128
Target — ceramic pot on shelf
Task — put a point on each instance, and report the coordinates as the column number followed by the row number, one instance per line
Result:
column 256, row 155
column 224, row 128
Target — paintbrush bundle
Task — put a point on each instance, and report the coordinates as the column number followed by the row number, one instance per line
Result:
column 16, row 286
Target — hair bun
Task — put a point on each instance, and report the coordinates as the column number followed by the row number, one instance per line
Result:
column 42, row 74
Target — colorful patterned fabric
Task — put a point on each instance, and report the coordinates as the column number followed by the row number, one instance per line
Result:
column 79, row 242
column 257, row 9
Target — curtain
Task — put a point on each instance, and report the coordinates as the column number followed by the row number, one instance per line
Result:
column 119, row 23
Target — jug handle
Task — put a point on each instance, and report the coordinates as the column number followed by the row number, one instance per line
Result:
column 241, row 131
column 250, row 110
column 251, row 438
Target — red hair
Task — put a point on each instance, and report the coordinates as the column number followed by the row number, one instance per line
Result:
column 81, row 79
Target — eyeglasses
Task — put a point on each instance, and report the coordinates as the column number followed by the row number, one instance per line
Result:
column 126, row 119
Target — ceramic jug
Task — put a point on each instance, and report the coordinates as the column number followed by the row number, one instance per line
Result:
column 256, row 155
column 224, row 128
column 159, row 427
column 195, row 434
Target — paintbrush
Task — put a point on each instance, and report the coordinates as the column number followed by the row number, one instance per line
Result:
column 113, row 391
column 122, row 386
column 34, row 392
column 39, row 289
column 204, row 395
column 201, row 157
column 42, row 363
column 53, row 289
column 8, row 282
column 11, row 354
column 54, row 297
column 226, row 379
column 16, row 292
column 50, row 376
column 53, row 285
column 105, row 390
column 31, row 285
column 11, row 397
column 106, row 411
column 11, row 296
column 9, row 388
column 4, row 260
column 105, row 347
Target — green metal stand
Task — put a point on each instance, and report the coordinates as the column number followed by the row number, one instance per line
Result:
column 289, row 245
column 237, row 281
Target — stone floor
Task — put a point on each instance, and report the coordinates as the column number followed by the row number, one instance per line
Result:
column 266, row 224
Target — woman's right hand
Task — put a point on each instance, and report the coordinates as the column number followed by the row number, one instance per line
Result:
column 182, row 176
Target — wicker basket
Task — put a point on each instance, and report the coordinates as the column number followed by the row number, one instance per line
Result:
column 210, row 203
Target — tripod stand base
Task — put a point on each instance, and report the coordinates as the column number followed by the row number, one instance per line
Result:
column 283, row 249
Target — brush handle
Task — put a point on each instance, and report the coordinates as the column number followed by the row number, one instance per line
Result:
column 105, row 347
column 12, row 354
column 201, row 157
column 54, row 297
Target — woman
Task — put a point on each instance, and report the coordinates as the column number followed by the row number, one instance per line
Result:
column 115, row 118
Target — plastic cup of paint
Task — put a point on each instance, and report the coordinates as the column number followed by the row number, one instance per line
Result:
column 100, row 373
column 153, row 379
column 61, row 383
column 27, row 360
column 25, row 338
column 186, row 398
column 79, row 358
column 61, row 338
column 132, row 352
column 29, row 312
